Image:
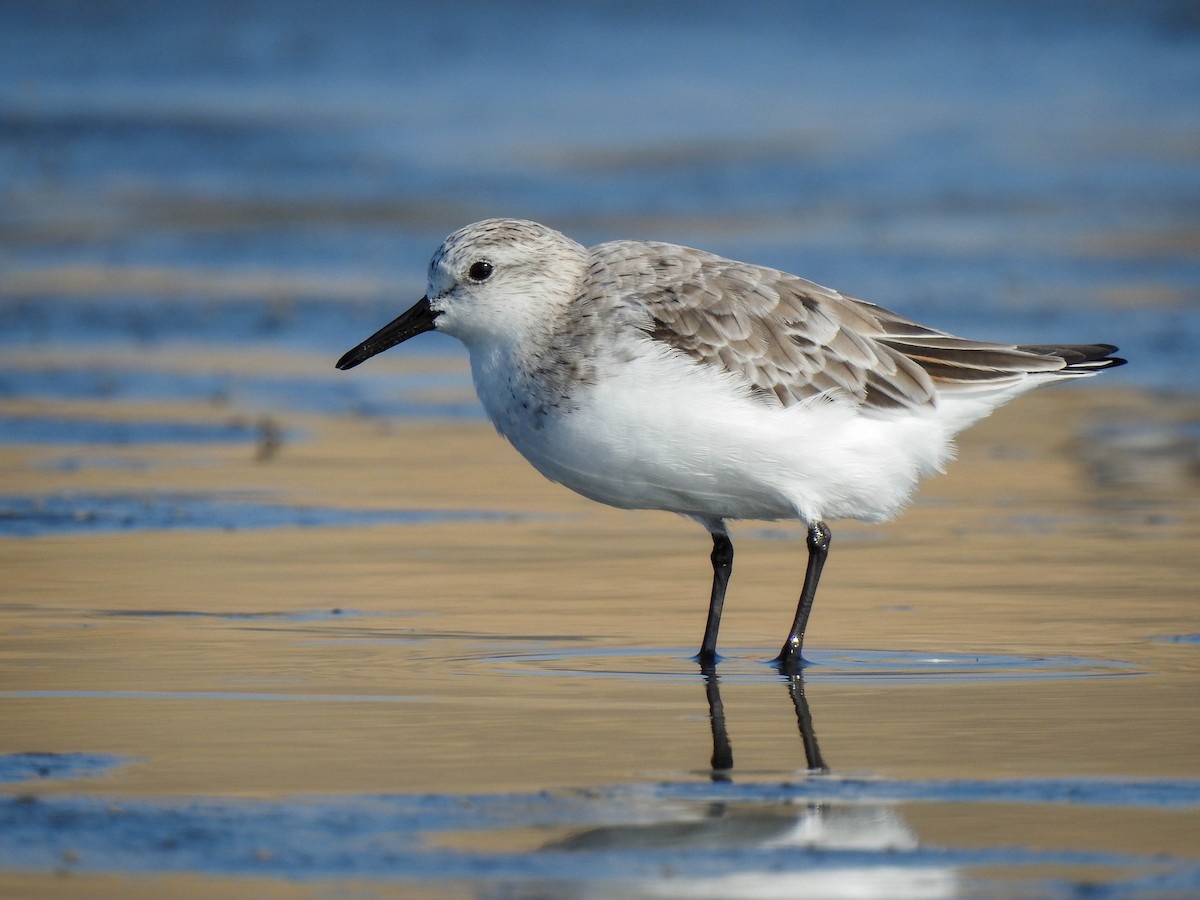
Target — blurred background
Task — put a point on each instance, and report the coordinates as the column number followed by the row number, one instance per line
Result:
column 277, row 173
column 203, row 205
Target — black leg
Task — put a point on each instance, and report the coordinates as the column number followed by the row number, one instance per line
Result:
column 790, row 659
column 722, row 563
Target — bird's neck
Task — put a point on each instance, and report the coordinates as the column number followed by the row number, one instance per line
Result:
column 521, row 385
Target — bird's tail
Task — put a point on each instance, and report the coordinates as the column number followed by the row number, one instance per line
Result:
column 1081, row 359
column 1023, row 368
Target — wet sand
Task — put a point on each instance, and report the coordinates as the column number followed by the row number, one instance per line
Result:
column 543, row 646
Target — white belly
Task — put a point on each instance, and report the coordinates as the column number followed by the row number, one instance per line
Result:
column 661, row 432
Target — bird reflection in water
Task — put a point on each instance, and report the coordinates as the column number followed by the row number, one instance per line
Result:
column 873, row 835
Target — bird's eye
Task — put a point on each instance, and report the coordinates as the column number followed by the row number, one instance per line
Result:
column 481, row 270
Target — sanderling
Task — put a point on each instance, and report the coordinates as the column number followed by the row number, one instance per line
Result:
column 650, row 376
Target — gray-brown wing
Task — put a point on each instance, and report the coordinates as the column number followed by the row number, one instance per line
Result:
column 791, row 339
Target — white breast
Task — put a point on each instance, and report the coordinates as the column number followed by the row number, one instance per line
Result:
column 662, row 432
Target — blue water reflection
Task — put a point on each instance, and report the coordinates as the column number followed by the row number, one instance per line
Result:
column 1013, row 170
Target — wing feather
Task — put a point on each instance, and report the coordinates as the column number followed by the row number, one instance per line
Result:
column 791, row 340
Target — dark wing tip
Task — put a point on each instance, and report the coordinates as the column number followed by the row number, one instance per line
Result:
column 1080, row 357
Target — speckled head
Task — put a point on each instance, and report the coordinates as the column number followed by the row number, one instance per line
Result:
column 499, row 277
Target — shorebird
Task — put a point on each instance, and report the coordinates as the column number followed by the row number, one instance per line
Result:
column 647, row 375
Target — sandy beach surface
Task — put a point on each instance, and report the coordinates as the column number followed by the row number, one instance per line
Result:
column 1031, row 619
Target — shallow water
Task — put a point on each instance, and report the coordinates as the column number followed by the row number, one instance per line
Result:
column 269, row 628
column 479, row 704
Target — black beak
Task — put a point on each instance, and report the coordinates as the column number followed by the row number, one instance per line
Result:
column 417, row 320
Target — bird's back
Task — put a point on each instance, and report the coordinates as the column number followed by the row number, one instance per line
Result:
column 791, row 340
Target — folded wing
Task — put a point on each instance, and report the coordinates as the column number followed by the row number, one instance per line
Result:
column 792, row 340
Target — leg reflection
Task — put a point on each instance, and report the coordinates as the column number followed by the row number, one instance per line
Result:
column 722, row 752
column 808, row 734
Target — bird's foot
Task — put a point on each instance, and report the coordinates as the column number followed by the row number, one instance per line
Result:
column 790, row 660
